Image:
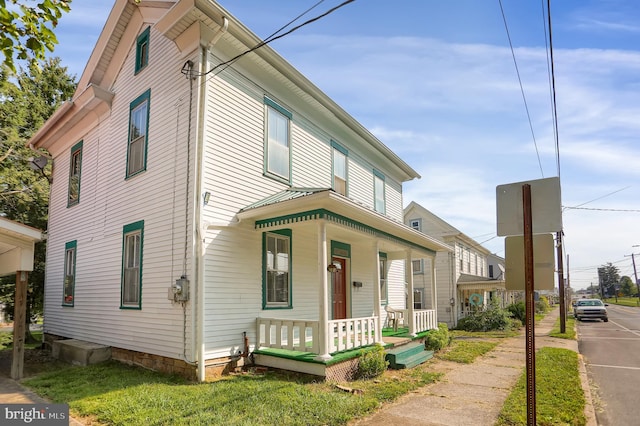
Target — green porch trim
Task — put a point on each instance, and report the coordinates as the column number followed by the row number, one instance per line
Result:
column 336, row 357
column 340, row 249
column 337, row 219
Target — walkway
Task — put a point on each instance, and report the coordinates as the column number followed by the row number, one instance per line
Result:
column 475, row 393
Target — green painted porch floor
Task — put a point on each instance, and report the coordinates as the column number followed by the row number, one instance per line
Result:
column 337, row 357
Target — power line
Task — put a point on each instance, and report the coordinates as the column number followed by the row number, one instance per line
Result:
column 602, row 210
column 599, row 198
column 553, row 90
column 524, row 98
column 271, row 38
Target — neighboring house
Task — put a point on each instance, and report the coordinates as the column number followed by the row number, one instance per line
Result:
column 467, row 278
column 201, row 211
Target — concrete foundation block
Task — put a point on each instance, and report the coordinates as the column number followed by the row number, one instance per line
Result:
column 79, row 352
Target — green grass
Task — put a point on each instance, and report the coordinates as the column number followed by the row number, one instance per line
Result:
column 6, row 340
column 484, row 334
column 624, row 301
column 559, row 396
column 121, row 395
column 570, row 331
column 466, row 351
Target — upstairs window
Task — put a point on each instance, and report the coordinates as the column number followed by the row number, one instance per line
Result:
column 418, row 266
column 131, row 288
column 278, row 148
column 74, row 175
column 142, row 50
column 339, row 164
column 68, row 289
column 276, row 291
column 138, row 134
column 416, row 224
column 379, row 192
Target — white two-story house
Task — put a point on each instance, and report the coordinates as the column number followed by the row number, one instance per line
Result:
column 202, row 210
column 468, row 277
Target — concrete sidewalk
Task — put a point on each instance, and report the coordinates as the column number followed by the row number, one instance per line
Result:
column 473, row 394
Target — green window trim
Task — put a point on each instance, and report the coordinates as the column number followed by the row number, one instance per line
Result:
column 136, row 141
column 142, row 50
column 132, row 239
column 340, row 249
column 266, row 305
column 384, row 280
column 340, row 187
column 75, row 172
column 69, row 273
column 276, row 166
column 379, row 200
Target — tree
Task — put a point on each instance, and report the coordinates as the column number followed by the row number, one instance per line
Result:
column 27, row 99
column 609, row 277
column 27, row 29
column 626, row 286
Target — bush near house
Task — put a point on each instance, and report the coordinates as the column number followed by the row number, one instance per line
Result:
column 518, row 311
column 372, row 363
column 437, row 339
column 491, row 318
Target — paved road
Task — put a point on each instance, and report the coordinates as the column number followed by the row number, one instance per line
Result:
column 611, row 353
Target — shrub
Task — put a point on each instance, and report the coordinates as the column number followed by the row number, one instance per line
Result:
column 542, row 305
column 372, row 363
column 492, row 318
column 437, row 339
column 518, row 311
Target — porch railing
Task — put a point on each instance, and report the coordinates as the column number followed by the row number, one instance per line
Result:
column 294, row 335
column 425, row 319
column 352, row 333
column 304, row 335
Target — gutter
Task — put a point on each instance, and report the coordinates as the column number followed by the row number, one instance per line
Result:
column 200, row 226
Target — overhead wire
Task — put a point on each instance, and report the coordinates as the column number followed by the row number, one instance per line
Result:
column 224, row 65
column 524, row 98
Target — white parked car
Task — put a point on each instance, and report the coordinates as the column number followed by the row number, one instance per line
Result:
column 590, row 308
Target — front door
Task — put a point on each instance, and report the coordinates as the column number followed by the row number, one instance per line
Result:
column 339, row 289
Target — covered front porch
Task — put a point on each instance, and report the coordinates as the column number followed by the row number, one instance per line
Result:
column 362, row 262
column 476, row 293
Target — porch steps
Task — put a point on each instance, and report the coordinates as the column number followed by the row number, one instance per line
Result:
column 407, row 356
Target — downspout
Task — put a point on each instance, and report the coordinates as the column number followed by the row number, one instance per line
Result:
column 200, row 226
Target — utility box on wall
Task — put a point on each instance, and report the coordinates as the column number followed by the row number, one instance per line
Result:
column 179, row 291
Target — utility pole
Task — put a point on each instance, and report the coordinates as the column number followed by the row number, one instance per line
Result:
column 563, row 306
column 635, row 272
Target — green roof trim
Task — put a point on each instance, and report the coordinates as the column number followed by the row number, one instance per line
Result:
column 338, row 219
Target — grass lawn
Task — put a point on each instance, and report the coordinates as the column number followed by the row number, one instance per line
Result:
column 466, row 351
column 570, row 330
column 6, row 340
column 559, row 396
column 624, row 301
column 116, row 394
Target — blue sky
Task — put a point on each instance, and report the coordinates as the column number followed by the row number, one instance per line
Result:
column 436, row 82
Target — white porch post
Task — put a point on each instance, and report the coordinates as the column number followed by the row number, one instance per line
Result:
column 434, row 287
column 376, row 294
column 324, row 291
column 408, row 267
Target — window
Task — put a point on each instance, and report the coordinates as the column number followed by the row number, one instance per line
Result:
column 416, row 224
column 490, row 271
column 383, row 278
column 468, row 260
column 276, row 291
column 461, row 257
column 475, row 256
column 417, row 298
column 278, row 149
column 133, row 235
column 138, row 129
column 69, row 286
column 378, row 192
column 74, row 175
column 417, row 266
column 142, row 50
column 339, row 168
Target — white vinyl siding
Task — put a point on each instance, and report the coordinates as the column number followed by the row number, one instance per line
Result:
column 108, row 202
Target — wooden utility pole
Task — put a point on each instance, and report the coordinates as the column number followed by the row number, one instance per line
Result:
column 19, row 324
column 563, row 306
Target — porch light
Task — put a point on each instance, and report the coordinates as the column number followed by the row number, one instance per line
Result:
column 334, row 267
